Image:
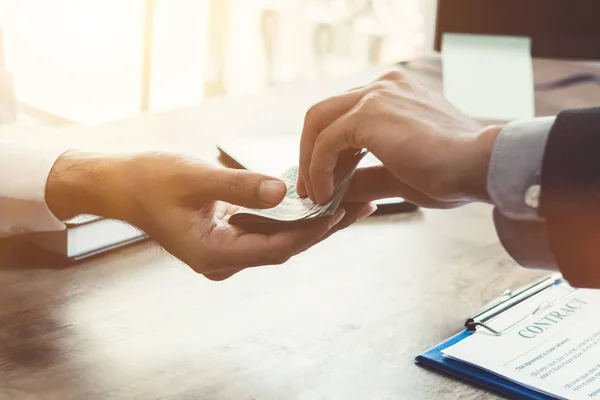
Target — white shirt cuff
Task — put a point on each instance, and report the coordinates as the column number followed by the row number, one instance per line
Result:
column 24, row 168
column 515, row 167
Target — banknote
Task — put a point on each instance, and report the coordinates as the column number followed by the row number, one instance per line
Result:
column 295, row 210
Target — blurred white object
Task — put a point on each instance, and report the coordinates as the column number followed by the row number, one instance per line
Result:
column 489, row 76
column 8, row 102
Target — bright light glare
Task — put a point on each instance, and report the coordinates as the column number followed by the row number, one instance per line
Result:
column 82, row 59
column 77, row 58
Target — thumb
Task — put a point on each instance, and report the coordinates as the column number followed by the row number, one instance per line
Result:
column 244, row 188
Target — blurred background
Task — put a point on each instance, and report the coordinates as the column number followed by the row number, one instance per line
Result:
column 92, row 61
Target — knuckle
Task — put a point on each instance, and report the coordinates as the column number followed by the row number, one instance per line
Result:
column 379, row 86
column 312, row 113
column 370, row 106
column 388, row 90
column 404, row 84
column 393, row 75
column 371, row 101
column 235, row 182
column 355, row 136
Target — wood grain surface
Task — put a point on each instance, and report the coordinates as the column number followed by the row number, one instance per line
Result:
column 341, row 321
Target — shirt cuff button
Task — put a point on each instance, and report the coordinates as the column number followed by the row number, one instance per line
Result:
column 532, row 196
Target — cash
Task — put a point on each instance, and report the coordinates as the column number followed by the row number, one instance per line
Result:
column 293, row 209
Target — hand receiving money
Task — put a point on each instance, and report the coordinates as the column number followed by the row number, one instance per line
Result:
column 185, row 205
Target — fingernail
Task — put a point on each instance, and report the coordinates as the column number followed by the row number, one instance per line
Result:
column 339, row 215
column 271, row 192
column 368, row 210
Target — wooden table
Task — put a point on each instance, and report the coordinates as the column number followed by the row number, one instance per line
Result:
column 341, row 321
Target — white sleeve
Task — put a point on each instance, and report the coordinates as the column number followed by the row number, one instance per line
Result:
column 24, row 170
column 515, row 166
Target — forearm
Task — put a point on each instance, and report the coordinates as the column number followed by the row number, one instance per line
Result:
column 87, row 183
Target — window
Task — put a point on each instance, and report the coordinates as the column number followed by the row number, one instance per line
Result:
column 84, row 59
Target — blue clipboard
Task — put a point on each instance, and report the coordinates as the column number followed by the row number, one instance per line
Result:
column 435, row 359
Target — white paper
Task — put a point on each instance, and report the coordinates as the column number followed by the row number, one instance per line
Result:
column 489, row 77
column 557, row 351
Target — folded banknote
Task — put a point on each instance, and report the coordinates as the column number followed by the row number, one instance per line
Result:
column 293, row 209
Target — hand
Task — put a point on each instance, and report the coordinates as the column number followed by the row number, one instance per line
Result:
column 432, row 154
column 176, row 201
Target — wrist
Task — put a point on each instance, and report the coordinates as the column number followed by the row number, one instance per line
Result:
column 479, row 152
column 86, row 183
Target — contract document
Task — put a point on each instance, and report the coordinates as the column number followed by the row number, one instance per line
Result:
column 549, row 343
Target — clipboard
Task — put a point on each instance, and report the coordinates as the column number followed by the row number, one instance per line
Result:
column 435, row 359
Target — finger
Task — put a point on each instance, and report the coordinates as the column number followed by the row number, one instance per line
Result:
column 337, row 137
column 239, row 187
column 301, row 186
column 319, row 117
column 323, row 114
column 377, row 182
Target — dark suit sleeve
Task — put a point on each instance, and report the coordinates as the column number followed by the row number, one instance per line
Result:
column 525, row 241
column 570, row 195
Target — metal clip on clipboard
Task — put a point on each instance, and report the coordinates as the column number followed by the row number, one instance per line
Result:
column 509, row 300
